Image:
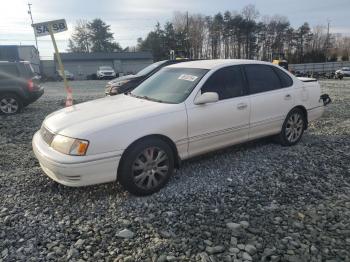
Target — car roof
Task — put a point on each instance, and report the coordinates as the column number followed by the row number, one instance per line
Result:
column 216, row 63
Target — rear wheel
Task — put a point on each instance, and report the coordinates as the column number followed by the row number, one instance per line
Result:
column 293, row 128
column 146, row 167
column 10, row 104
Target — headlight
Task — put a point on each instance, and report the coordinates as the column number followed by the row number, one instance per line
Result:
column 114, row 90
column 70, row 146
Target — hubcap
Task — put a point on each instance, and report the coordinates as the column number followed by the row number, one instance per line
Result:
column 294, row 128
column 8, row 105
column 150, row 168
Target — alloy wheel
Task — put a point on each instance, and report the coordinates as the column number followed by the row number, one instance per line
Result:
column 9, row 105
column 294, row 127
column 150, row 168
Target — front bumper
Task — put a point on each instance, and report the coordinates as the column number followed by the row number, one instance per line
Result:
column 112, row 76
column 75, row 171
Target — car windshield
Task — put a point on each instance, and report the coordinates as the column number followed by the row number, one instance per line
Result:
column 106, row 68
column 150, row 68
column 170, row 85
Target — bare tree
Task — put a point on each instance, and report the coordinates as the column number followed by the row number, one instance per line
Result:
column 79, row 41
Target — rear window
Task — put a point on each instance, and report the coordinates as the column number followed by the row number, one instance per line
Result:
column 286, row 80
column 261, row 78
column 28, row 70
column 8, row 71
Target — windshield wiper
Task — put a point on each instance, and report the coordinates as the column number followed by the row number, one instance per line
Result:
column 146, row 98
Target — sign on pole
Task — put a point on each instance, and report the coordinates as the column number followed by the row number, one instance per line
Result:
column 51, row 28
column 42, row 29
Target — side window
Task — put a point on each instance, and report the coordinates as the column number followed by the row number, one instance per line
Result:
column 286, row 80
column 227, row 82
column 8, row 71
column 261, row 78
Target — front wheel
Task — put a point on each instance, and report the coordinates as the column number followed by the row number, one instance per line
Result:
column 146, row 167
column 293, row 128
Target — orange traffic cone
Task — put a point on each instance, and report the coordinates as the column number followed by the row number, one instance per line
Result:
column 69, row 100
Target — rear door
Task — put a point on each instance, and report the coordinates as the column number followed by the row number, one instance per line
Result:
column 271, row 98
column 9, row 77
column 226, row 122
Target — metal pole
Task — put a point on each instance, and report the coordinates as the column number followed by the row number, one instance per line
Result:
column 60, row 64
column 328, row 38
column 187, row 36
column 31, row 18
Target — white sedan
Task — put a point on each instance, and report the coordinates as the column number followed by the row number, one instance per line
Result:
column 182, row 111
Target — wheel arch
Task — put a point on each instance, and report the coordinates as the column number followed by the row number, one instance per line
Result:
column 156, row 136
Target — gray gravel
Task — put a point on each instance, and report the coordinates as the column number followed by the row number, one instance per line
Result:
column 254, row 202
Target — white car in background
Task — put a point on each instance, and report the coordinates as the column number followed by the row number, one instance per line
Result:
column 344, row 72
column 182, row 111
column 105, row 72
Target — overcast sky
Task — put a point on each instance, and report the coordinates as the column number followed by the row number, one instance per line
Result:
column 131, row 19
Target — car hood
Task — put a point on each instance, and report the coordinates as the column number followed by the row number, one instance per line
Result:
column 122, row 78
column 109, row 111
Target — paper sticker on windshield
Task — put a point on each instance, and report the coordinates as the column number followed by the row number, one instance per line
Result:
column 188, row 77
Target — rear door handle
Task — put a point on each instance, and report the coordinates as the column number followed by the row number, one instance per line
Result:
column 288, row 97
column 242, row 106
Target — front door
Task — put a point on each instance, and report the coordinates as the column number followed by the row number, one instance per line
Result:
column 226, row 122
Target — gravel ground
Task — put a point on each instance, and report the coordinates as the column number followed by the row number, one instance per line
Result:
column 254, row 202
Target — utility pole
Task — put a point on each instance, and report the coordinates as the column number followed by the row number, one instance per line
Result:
column 31, row 18
column 328, row 38
column 187, row 36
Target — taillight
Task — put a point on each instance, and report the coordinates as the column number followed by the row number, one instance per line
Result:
column 30, row 85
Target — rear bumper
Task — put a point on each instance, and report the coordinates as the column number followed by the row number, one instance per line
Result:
column 315, row 113
column 35, row 95
column 65, row 170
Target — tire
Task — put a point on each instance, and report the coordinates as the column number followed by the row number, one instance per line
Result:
column 293, row 128
column 10, row 104
column 140, row 173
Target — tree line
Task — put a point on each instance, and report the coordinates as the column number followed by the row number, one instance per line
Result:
column 232, row 34
column 93, row 36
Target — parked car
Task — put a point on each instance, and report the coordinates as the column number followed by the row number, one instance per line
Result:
column 69, row 75
column 341, row 73
column 19, row 86
column 105, row 72
column 127, row 83
column 182, row 111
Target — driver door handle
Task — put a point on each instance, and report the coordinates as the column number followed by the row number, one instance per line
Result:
column 242, row 106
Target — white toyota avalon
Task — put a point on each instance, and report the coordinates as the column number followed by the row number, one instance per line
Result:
column 182, row 111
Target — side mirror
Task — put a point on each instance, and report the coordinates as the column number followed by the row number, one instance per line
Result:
column 206, row 98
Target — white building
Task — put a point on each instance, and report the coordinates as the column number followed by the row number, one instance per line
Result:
column 83, row 65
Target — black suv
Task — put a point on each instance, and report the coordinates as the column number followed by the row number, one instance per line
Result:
column 127, row 83
column 19, row 86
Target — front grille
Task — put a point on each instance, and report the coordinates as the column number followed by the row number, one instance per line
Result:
column 107, row 73
column 46, row 135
